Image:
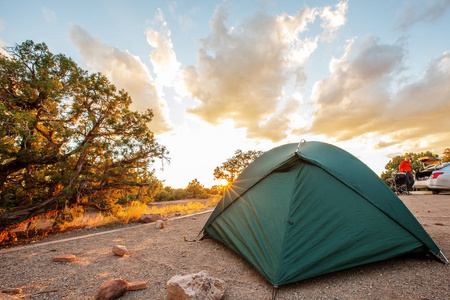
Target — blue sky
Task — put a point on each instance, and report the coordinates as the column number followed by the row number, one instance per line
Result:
column 370, row 77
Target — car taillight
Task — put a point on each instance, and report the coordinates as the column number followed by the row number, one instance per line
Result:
column 436, row 174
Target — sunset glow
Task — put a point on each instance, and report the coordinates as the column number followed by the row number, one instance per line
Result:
column 369, row 77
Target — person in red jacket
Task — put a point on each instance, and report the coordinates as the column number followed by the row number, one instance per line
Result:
column 405, row 167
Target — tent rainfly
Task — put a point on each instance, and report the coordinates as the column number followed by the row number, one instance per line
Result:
column 302, row 210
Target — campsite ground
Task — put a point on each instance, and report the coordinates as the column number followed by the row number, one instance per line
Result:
column 157, row 255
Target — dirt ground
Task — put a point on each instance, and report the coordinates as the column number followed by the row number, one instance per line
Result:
column 157, row 255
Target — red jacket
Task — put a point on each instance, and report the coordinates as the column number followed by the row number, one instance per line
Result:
column 405, row 166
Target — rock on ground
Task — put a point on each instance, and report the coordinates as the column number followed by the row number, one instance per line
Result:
column 138, row 285
column 195, row 286
column 65, row 258
column 111, row 289
column 159, row 224
column 120, row 250
column 150, row 218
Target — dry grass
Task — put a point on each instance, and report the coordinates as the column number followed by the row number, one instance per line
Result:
column 125, row 214
column 40, row 227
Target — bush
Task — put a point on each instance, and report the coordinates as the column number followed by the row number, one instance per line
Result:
column 163, row 195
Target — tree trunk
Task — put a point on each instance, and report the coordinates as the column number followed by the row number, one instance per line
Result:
column 14, row 218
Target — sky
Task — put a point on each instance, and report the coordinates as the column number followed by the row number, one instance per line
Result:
column 371, row 77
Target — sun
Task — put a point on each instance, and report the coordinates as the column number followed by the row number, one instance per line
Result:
column 223, row 182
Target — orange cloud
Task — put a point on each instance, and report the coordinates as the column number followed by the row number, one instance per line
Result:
column 357, row 99
column 126, row 71
column 243, row 70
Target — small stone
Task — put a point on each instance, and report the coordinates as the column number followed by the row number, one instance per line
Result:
column 120, row 250
column 159, row 224
column 439, row 224
column 65, row 258
column 138, row 285
column 12, row 291
column 111, row 289
column 150, row 218
column 195, row 286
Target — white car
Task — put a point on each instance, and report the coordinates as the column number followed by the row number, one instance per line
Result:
column 422, row 178
column 439, row 179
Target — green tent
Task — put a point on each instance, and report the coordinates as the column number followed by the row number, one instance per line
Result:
column 301, row 210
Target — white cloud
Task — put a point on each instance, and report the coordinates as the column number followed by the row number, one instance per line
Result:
column 184, row 19
column 357, row 99
column 163, row 58
column 49, row 15
column 243, row 70
column 413, row 12
column 333, row 20
column 126, row 71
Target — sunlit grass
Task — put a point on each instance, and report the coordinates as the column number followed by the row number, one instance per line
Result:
column 125, row 214
column 189, row 208
column 214, row 201
column 77, row 217
column 119, row 215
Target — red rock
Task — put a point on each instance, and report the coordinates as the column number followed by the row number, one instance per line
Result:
column 138, row 285
column 65, row 258
column 12, row 291
column 120, row 250
column 150, row 218
column 111, row 289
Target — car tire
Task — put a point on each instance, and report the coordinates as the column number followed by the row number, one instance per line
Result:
column 435, row 192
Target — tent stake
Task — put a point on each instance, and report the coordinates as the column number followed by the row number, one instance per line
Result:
column 274, row 292
column 445, row 258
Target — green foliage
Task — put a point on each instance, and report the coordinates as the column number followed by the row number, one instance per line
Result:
column 232, row 167
column 67, row 136
column 217, row 189
column 446, row 155
column 163, row 195
column 196, row 190
column 178, row 194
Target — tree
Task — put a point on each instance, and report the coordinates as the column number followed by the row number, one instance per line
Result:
column 66, row 136
column 392, row 166
column 232, row 167
column 446, row 155
column 196, row 190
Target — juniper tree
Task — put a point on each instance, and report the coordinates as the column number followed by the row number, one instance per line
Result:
column 65, row 135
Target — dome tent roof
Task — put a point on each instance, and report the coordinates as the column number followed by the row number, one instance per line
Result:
column 301, row 210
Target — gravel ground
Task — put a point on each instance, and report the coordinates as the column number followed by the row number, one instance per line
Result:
column 157, row 255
